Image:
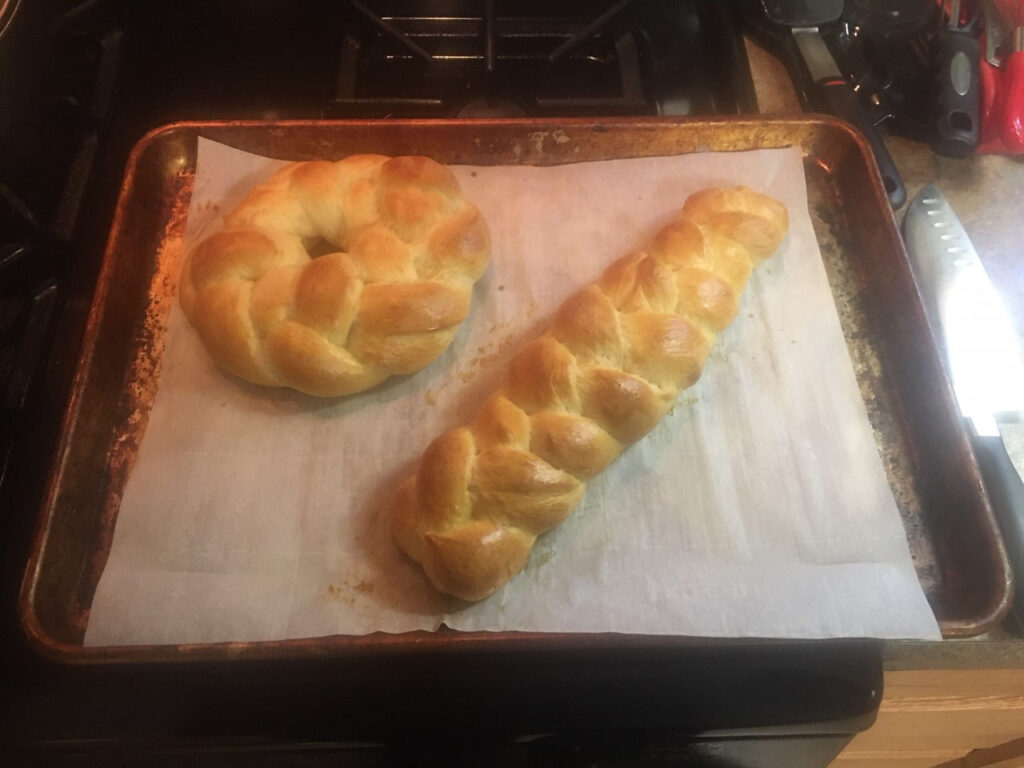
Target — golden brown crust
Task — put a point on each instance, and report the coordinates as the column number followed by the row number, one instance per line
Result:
column 408, row 248
column 609, row 367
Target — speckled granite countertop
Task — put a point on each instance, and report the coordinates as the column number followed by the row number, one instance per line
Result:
column 987, row 193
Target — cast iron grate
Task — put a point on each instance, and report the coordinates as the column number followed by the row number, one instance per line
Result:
column 480, row 59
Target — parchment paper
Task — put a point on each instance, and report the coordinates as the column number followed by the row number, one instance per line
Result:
column 758, row 507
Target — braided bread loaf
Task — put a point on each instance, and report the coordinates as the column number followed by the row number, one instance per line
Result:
column 604, row 374
column 388, row 298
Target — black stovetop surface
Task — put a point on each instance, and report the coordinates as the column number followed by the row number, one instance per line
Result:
column 107, row 72
column 681, row 706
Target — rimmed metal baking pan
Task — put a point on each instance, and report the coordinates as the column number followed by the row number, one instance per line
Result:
column 953, row 537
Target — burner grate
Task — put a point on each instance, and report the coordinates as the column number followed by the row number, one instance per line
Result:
column 447, row 65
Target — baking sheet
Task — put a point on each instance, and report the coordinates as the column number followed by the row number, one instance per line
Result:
column 759, row 507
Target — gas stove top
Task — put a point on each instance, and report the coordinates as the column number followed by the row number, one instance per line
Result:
column 104, row 73
column 529, row 58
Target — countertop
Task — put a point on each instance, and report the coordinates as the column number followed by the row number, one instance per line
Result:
column 987, row 193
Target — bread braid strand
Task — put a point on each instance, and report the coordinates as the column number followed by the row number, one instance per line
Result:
column 607, row 370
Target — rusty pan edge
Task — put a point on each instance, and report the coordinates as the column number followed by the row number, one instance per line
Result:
column 55, row 650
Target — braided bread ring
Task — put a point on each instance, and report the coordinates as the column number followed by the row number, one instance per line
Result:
column 602, row 376
column 388, row 300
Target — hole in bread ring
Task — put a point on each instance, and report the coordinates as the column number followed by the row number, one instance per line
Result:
column 332, row 276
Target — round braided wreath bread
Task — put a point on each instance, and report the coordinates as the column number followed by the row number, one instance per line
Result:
column 609, row 367
column 401, row 251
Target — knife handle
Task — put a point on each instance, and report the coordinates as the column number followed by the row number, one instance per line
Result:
column 1013, row 104
column 841, row 100
column 1006, row 493
column 956, row 125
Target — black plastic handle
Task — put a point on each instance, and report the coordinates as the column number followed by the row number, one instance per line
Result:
column 1006, row 492
column 840, row 99
column 956, row 125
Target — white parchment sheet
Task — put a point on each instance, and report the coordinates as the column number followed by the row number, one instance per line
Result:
column 758, row 507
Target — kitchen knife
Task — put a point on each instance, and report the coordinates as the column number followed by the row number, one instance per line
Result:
column 980, row 351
